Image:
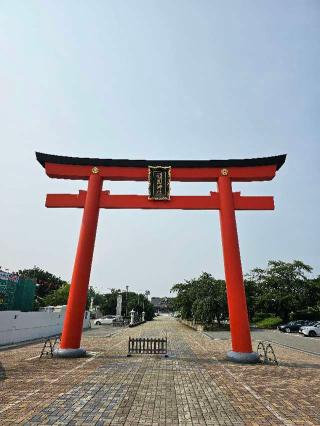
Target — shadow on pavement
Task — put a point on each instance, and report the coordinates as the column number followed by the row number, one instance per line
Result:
column 225, row 361
column 2, row 372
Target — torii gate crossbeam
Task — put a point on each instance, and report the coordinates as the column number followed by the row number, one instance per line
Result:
column 224, row 172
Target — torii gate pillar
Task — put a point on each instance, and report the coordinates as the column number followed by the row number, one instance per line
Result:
column 237, row 305
column 73, row 322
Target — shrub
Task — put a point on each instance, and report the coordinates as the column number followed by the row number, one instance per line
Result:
column 259, row 316
column 271, row 322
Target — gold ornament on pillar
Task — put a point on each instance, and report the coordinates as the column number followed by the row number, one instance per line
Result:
column 224, row 172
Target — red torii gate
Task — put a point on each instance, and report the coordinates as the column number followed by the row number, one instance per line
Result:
column 224, row 172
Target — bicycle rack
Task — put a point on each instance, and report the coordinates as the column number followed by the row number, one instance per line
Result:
column 266, row 353
column 49, row 346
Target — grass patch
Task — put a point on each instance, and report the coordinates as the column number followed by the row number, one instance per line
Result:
column 271, row 322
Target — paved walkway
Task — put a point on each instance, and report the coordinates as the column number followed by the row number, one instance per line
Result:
column 194, row 386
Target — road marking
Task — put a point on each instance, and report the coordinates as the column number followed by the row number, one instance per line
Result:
column 292, row 347
column 34, row 357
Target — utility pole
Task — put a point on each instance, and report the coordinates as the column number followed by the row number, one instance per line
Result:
column 127, row 288
column 146, row 294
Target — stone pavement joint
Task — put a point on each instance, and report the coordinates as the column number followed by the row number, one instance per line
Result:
column 194, row 386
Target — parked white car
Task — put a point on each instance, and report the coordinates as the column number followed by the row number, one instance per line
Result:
column 311, row 330
column 108, row 319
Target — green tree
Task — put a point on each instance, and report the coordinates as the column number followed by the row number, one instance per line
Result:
column 58, row 297
column 139, row 303
column 312, row 293
column 281, row 288
column 46, row 283
column 136, row 301
column 109, row 302
column 98, row 298
column 251, row 296
column 202, row 299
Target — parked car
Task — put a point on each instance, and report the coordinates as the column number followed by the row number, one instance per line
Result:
column 311, row 330
column 108, row 319
column 293, row 326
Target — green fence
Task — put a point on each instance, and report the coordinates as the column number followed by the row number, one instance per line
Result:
column 16, row 294
column 7, row 292
column 24, row 295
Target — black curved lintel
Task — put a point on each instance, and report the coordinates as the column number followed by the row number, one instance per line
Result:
column 277, row 161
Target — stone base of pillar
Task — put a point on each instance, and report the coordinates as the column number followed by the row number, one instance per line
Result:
column 243, row 357
column 69, row 353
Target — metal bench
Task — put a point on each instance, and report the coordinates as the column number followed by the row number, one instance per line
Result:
column 143, row 345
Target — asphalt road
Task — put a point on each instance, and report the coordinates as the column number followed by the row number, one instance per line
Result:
column 104, row 330
column 293, row 340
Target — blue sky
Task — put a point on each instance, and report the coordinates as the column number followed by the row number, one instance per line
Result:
column 158, row 80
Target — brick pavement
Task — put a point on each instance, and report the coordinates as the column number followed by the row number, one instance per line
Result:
column 194, row 386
